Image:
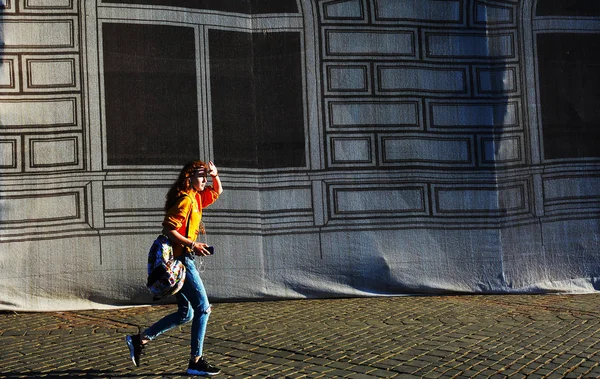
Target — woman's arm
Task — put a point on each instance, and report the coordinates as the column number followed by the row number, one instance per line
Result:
column 216, row 181
column 176, row 237
column 198, row 248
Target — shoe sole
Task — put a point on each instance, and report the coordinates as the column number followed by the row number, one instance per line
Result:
column 194, row 372
column 131, row 350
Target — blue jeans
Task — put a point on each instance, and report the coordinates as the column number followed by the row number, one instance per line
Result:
column 192, row 304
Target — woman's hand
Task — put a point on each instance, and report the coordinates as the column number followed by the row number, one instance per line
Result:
column 199, row 248
column 212, row 169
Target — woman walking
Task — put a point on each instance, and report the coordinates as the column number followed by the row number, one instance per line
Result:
column 182, row 224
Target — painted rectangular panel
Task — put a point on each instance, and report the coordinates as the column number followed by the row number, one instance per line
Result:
column 496, row 81
column 246, row 200
column 53, row 152
column 351, row 150
column 486, row 13
column 571, row 187
column 7, row 74
column 385, row 200
column 7, row 6
column 445, row 115
column 381, row 42
column 347, row 78
column 38, row 34
column 471, row 200
column 134, row 198
column 27, row 208
column 501, row 150
column 419, row 10
column 42, row 112
column 438, row 80
column 51, row 73
column 286, row 199
column 8, row 154
column 417, row 149
column 491, row 46
column 347, row 10
column 49, row 4
column 345, row 114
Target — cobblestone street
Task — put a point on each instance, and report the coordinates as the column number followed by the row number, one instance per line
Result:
column 544, row 336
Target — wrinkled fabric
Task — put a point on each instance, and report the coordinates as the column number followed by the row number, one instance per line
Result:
column 366, row 148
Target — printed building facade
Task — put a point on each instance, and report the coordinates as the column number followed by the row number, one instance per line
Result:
column 366, row 146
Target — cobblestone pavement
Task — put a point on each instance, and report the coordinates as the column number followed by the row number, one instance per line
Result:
column 517, row 336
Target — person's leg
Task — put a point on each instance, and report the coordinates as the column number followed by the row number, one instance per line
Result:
column 136, row 343
column 183, row 314
column 195, row 292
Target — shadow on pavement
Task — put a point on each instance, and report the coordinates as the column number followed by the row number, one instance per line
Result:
column 83, row 374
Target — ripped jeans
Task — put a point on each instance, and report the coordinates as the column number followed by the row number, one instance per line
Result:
column 192, row 303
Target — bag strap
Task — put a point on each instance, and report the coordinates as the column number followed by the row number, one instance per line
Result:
column 189, row 219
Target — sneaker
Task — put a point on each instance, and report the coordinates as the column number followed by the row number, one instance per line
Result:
column 134, row 343
column 202, row 367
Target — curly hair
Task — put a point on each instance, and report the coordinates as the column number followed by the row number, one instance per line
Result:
column 182, row 184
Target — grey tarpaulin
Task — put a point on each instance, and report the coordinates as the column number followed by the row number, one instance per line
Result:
column 367, row 147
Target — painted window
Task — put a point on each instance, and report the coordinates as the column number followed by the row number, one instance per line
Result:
column 150, row 94
column 256, row 97
column 176, row 91
column 568, row 61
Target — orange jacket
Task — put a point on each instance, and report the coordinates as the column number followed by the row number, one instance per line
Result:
column 189, row 204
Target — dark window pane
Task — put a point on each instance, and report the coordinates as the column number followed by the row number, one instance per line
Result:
column 234, row 6
column 569, row 72
column 256, row 97
column 150, row 94
column 575, row 8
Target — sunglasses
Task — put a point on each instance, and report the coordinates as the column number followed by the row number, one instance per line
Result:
column 200, row 173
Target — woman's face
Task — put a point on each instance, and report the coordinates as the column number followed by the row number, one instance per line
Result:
column 198, row 180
